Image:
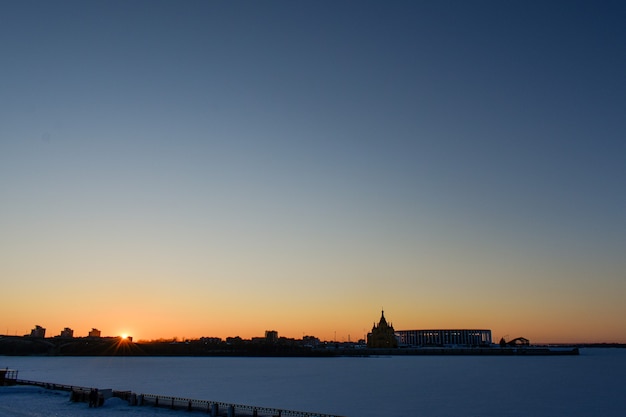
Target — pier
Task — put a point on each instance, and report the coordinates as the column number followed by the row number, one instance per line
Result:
column 208, row 407
column 7, row 376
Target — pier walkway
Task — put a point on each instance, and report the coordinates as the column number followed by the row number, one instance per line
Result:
column 212, row 408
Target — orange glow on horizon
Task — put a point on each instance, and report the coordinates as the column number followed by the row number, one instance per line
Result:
column 145, row 321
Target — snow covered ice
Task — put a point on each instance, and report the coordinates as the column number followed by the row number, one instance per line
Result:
column 588, row 385
column 29, row 401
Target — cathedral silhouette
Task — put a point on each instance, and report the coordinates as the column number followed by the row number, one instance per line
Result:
column 382, row 335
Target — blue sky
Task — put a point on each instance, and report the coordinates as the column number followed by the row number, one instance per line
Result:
column 333, row 155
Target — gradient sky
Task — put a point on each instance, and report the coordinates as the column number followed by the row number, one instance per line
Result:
column 206, row 168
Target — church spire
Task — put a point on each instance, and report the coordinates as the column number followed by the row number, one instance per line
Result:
column 382, row 318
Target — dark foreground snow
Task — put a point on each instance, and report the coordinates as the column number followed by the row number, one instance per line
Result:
column 29, row 401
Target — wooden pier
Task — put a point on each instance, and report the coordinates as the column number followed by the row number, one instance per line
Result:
column 211, row 408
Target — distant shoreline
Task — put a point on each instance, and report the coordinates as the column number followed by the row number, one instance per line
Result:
column 21, row 346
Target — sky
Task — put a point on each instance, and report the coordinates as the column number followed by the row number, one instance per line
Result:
column 204, row 168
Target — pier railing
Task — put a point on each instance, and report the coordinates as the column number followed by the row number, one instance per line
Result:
column 7, row 376
column 212, row 408
column 48, row 385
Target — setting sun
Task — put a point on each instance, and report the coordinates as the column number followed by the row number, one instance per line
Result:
column 124, row 336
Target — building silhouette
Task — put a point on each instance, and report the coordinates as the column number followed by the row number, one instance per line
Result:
column 458, row 337
column 382, row 335
column 271, row 336
column 67, row 332
column 94, row 333
column 38, row 331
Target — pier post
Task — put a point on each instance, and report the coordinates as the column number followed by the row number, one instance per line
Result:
column 231, row 411
column 215, row 409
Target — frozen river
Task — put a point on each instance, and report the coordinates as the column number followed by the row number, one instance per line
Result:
column 591, row 384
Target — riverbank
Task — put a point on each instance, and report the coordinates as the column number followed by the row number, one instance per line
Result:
column 455, row 351
column 78, row 394
column 10, row 345
column 29, row 401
